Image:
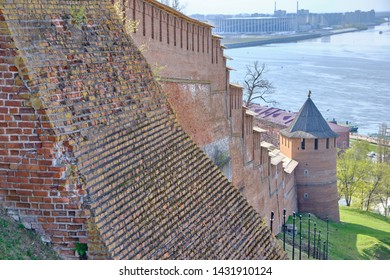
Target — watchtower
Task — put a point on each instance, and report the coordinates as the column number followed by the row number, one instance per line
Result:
column 310, row 141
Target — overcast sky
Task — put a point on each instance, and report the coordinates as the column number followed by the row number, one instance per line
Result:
column 267, row 6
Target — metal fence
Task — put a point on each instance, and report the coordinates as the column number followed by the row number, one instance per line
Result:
column 305, row 239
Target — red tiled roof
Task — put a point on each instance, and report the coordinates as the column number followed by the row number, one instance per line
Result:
column 285, row 118
column 274, row 115
column 339, row 128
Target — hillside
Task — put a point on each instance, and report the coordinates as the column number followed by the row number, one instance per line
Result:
column 362, row 235
column 19, row 243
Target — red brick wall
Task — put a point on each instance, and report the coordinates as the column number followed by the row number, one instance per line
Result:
column 248, row 137
column 256, row 148
column 202, row 113
column 321, row 200
column 33, row 161
column 192, row 71
column 201, row 102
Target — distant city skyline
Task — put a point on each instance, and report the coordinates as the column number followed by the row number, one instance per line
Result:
column 267, row 6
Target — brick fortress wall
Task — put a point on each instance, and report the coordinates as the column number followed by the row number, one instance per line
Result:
column 92, row 152
column 196, row 79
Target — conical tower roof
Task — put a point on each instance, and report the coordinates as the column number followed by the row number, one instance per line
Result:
column 309, row 123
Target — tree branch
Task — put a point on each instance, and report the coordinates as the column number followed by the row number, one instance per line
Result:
column 256, row 86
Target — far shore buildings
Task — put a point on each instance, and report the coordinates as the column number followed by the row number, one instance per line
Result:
column 281, row 21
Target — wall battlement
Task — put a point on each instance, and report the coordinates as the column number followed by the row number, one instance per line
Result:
column 170, row 37
column 261, row 172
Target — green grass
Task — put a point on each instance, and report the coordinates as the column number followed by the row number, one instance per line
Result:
column 359, row 236
column 18, row 243
column 368, row 234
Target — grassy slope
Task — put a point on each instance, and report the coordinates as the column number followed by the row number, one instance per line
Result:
column 359, row 236
column 18, row 243
column 367, row 235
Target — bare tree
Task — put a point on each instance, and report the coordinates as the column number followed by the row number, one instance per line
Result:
column 256, row 86
column 175, row 4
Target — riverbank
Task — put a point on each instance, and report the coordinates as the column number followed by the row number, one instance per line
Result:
column 243, row 41
column 369, row 139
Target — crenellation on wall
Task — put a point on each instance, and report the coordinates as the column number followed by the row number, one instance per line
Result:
column 257, row 131
column 259, row 169
column 248, row 135
column 235, row 110
column 159, row 27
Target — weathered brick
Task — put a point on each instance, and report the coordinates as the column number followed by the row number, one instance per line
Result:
column 46, row 206
column 9, row 89
column 61, row 200
column 12, row 198
column 49, row 226
column 40, row 193
column 23, row 193
column 13, row 103
column 23, row 205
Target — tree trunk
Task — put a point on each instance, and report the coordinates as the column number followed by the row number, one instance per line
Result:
column 348, row 200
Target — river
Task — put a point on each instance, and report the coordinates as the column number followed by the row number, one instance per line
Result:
column 348, row 75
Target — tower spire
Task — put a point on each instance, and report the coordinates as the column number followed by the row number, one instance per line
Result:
column 309, row 123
